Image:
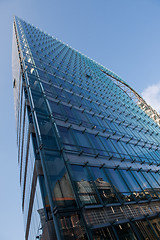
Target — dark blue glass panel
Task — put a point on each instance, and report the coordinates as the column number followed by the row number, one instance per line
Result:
column 119, row 185
column 103, row 185
column 84, row 185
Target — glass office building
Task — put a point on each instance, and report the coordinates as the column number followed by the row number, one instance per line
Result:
column 88, row 145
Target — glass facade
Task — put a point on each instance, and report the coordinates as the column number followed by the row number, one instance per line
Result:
column 88, row 145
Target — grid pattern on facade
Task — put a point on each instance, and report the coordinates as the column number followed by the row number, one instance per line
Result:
column 98, row 148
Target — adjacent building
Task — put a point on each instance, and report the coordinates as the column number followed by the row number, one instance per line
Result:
column 88, row 145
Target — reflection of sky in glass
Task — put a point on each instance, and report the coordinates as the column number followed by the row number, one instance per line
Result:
column 79, row 173
column 143, row 183
column 117, row 180
column 133, row 185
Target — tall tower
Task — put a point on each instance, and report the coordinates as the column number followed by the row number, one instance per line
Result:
column 88, row 145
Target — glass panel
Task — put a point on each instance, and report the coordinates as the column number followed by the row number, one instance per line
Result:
column 145, row 230
column 40, row 104
column 130, row 149
column 83, row 141
column 60, row 186
column 120, row 186
column 67, row 139
column 84, row 185
column 133, row 185
column 144, row 184
column 156, row 177
column 119, row 147
column 152, row 182
column 47, row 133
column 103, row 234
column 56, row 109
column 97, row 144
column 125, row 232
column 70, row 113
column 72, row 227
column 103, row 185
column 156, row 226
column 109, row 146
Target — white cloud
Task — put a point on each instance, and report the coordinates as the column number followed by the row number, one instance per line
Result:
column 152, row 96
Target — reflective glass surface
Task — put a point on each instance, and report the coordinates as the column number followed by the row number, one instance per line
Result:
column 86, row 140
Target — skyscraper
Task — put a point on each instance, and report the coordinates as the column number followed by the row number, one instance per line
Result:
column 88, row 145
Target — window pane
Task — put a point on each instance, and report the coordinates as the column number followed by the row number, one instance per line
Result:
column 144, row 184
column 141, row 180
column 97, row 145
column 83, row 141
column 119, row 184
column 145, row 229
column 130, row 180
column 103, row 234
column 152, row 182
column 156, row 177
column 133, row 185
column 67, row 139
column 84, row 185
column 125, row 232
column 103, row 185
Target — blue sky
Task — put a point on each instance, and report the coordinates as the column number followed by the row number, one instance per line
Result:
column 123, row 35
